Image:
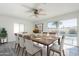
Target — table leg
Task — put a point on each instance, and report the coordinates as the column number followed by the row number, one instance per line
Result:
column 59, row 41
column 47, row 50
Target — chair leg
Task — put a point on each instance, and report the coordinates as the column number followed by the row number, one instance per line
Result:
column 41, row 52
column 23, row 51
column 49, row 53
column 18, row 50
column 63, row 53
column 53, row 52
column 15, row 45
column 60, row 54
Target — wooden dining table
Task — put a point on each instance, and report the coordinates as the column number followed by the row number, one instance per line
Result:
column 46, row 41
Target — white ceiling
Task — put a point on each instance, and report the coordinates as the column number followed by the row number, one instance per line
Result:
column 51, row 9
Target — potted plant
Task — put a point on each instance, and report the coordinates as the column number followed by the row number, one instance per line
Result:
column 3, row 33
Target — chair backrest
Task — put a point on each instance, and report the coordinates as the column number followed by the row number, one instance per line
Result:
column 44, row 32
column 39, row 35
column 21, row 40
column 16, row 37
column 28, row 42
column 33, row 36
column 24, row 32
column 27, row 37
column 62, row 42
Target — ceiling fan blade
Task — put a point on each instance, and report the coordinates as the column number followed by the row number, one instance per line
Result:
column 42, row 14
column 40, row 10
column 27, row 7
column 36, row 16
column 29, row 11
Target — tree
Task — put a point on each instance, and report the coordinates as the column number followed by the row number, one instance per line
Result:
column 57, row 23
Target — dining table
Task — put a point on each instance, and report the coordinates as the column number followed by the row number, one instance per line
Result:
column 47, row 41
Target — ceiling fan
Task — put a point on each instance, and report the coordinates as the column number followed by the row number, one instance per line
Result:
column 36, row 11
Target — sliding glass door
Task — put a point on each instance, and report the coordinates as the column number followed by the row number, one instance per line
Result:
column 69, row 28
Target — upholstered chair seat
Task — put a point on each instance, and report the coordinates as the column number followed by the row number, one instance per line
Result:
column 58, row 48
column 55, row 47
column 30, row 48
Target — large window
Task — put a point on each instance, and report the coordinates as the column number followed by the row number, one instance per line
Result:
column 21, row 27
column 18, row 28
column 69, row 27
column 68, row 23
column 51, row 25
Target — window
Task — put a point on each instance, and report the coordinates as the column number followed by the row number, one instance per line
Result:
column 18, row 28
column 69, row 27
column 21, row 27
column 69, row 23
column 51, row 25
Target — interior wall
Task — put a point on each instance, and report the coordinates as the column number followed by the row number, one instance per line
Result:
column 61, row 17
column 8, row 23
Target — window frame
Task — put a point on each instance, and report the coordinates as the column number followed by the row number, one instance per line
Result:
column 18, row 27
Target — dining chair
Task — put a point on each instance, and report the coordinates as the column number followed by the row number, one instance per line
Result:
column 33, row 36
column 36, row 35
column 58, row 48
column 16, row 42
column 24, row 32
column 21, row 44
column 30, row 48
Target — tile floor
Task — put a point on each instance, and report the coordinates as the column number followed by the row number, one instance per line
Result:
column 8, row 49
